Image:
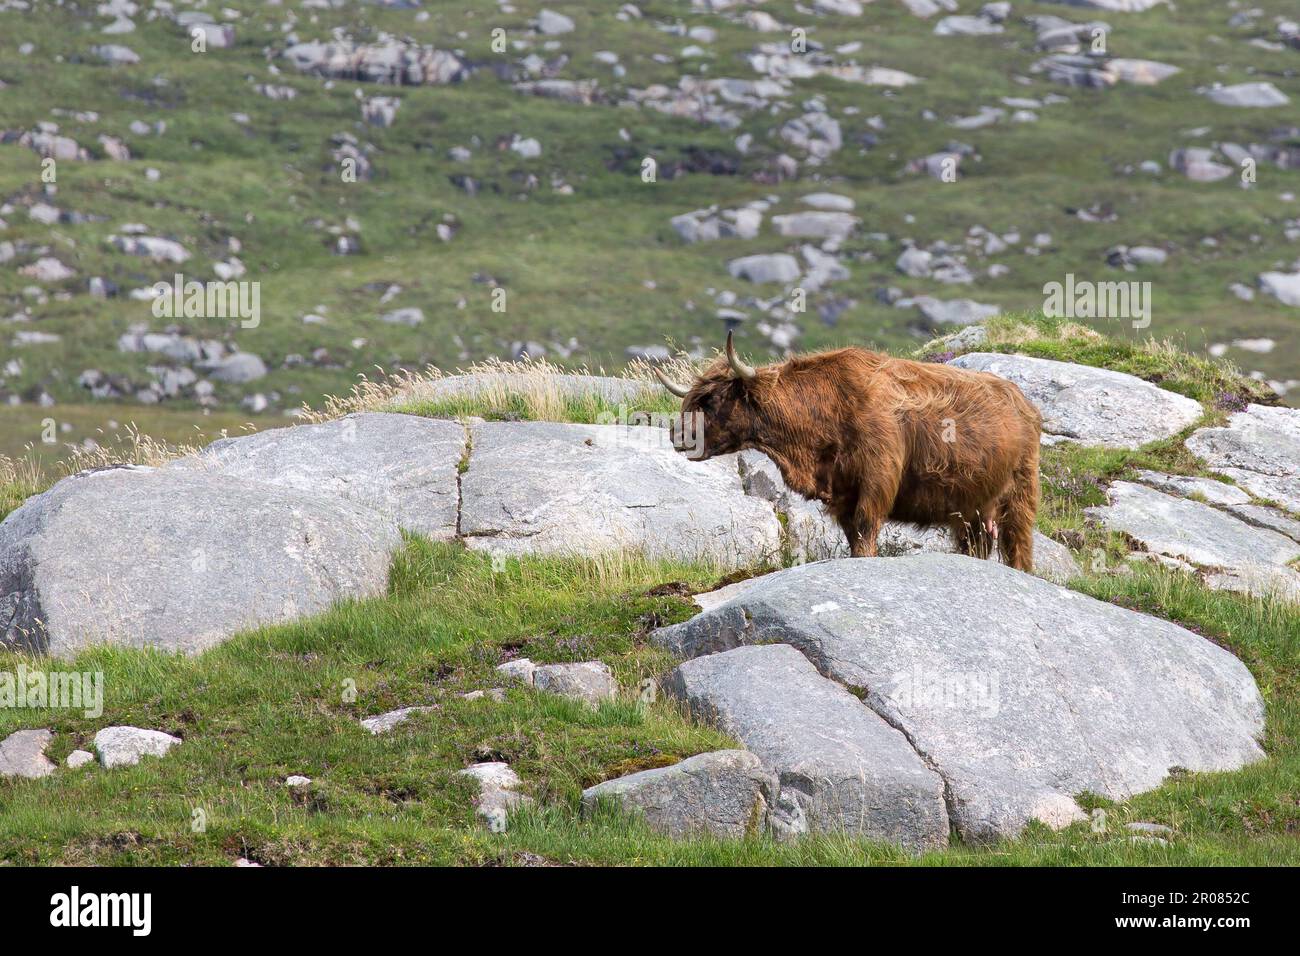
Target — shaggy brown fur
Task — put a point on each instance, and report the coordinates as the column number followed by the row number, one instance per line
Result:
column 875, row 437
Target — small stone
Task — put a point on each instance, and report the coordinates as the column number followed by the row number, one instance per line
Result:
column 831, row 202
column 409, row 317
column 47, row 269
column 552, row 24
column 22, row 754
column 773, row 267
column 115, row 54
column 497, row 694
column 124, row 746
column 79, row 758
column 590, row 682
column 1256, row 95
column 498, row 793
column 383, row 723
column 1150, row 829
column 297, row 780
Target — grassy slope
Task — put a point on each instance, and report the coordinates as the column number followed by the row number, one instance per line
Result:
column 271, row 703
column 577, row 266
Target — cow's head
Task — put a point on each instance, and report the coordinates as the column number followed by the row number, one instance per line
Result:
column 726, row 401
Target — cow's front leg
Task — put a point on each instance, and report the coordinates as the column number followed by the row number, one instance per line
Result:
column 862, row 526
column 865, row 530
column 875, row 501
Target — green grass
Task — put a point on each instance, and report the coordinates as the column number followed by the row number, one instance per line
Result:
column 273, row 702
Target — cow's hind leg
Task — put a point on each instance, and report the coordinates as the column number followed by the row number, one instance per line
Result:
column 976, row 535
column 1019, row 509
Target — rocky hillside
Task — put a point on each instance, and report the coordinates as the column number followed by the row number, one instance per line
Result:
column 417, row 635
column 409, row 182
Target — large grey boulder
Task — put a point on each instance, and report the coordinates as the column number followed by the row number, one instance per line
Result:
column 1052, row 560
column 1196, row 534
column 402, row 467
column 812, row 535
column 547, row 488
column 22, row 754
column 840, row 766
column 1259, row 449
column 725, row 793
column 1020, row 694
column 1092, row 406
column 178, row 560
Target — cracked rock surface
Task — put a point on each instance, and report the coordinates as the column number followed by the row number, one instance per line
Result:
column 547, row 488
column 1258, row 449
column 1020, row 694
column 840, row 766
column 1194, row 535
column 401, row 466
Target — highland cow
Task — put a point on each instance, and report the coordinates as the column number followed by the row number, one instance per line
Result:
column 874, row 437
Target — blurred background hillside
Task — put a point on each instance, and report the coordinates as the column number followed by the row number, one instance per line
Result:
column 405, row 183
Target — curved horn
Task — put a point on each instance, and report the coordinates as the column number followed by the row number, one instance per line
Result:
column 680, row 391
column 740, row 368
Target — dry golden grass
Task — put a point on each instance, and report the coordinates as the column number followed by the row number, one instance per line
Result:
column 532, row 388
column 24, row 476
column 132, row 447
